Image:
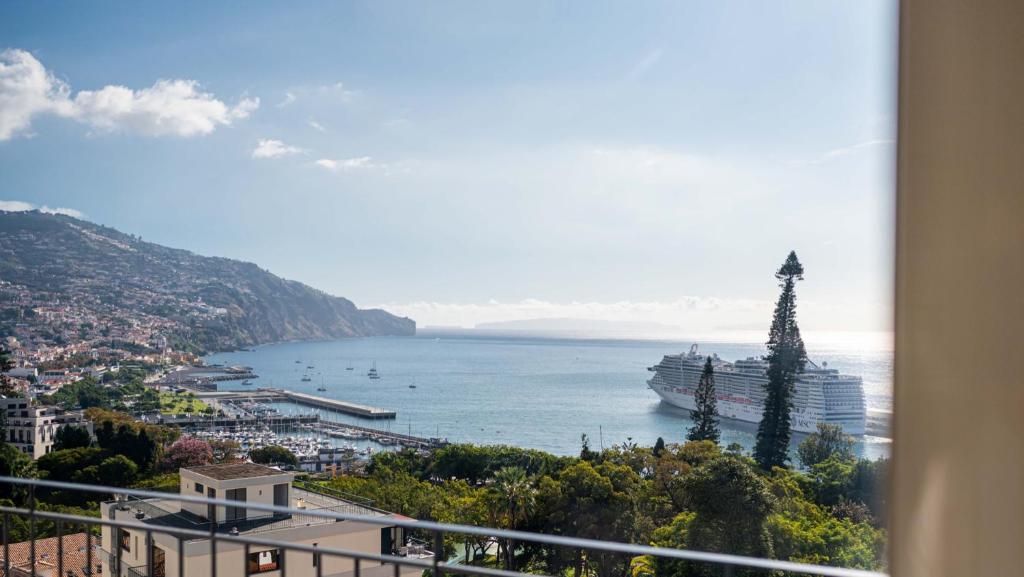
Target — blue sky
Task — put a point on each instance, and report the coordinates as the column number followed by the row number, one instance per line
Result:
column 463, row 162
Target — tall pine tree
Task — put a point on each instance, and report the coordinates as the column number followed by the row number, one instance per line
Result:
column 705, row 417
column 786, row 358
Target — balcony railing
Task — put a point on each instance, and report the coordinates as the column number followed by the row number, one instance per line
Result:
column 153, row 511
column 365, row 564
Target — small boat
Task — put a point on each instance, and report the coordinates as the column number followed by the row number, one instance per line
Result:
column 350, row 368
column 310, row 367
column 322, row 386
column 298, row 362
column 373, row 372
column 412, row 386
column 246, row 382
column 306, row 378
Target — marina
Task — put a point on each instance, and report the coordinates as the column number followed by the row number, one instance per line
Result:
column 250, row 419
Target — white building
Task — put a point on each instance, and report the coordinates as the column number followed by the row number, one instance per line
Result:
column 32, row 428
column 124, row 550
column 23, row 373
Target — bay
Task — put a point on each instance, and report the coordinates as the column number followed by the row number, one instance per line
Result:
column 532, row 391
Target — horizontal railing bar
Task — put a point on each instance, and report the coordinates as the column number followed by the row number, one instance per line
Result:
column 571, row 542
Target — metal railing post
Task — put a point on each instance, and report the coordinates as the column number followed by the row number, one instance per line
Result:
column 88, row 550
column 213, row 550
column 149, row 554
column 7, row 546
column 181, row 557
column 32, row 528
column 60, row 549
column 438, row 551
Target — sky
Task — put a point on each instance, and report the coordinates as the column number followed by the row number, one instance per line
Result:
column 471, row 162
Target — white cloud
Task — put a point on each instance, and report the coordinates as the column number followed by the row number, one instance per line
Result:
column 316, row 125
column 168, row 108
column 338, row 90
column 289, row 98
column 26, row 90
column 695, row 313
column 269, row 148
column 22, row 206
column 846, row 150
column 645, row 63
column 731, row 318
column 62, row 210
column 347, row 164
column 15, row 206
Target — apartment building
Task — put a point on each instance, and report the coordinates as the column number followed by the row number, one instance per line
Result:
column 125, row 551
column 32, row 429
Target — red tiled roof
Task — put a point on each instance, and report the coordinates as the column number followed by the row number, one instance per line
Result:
column 75, row 557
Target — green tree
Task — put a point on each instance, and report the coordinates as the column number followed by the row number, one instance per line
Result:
column 659, row 447
column 596, row 502
column 827, row 441
column 117, row 471
column 731, row 504
column 13, row 463
column 786, row 358
column 585, row 453
column 71, row 437
column 6, row 383
column 514, row 500
column 705, row 417
column 274, row 455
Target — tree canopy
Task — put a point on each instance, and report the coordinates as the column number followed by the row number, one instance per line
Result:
column 786, row 358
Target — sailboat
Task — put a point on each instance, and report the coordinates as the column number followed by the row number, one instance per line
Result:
column 373, row 371
column 322, row 386
column 306, row 378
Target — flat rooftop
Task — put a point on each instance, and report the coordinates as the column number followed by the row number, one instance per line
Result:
column 168, row 513
column 228, row 471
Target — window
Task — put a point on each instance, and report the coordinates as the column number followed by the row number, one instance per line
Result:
column 126, row 539
column 281, row 495
column 264, row 561
column 199, row 488
column 159, row 561
column 235, row 512
column 211, row 509
column 387, row 540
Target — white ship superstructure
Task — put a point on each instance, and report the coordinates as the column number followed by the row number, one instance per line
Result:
column 823, row 395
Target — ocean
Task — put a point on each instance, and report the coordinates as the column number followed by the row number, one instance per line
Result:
column 532, row 391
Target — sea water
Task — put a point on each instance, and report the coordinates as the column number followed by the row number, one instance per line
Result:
column 530, row 391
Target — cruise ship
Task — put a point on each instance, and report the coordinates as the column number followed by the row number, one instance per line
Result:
column 823, row 395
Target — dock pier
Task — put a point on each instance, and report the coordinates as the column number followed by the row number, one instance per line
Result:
column 267, row 395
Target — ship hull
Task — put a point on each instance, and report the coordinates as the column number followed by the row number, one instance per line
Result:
column 742, row 409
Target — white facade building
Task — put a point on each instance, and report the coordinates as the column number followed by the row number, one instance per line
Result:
column 125, row 555
column 32, row 429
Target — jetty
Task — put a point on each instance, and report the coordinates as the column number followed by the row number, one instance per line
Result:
column 231, row 422
column 268, row 395
column 364, row 411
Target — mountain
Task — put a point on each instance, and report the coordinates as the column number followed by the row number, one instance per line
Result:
column 196, row 302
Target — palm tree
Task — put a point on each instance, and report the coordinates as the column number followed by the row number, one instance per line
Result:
column 514, row 501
